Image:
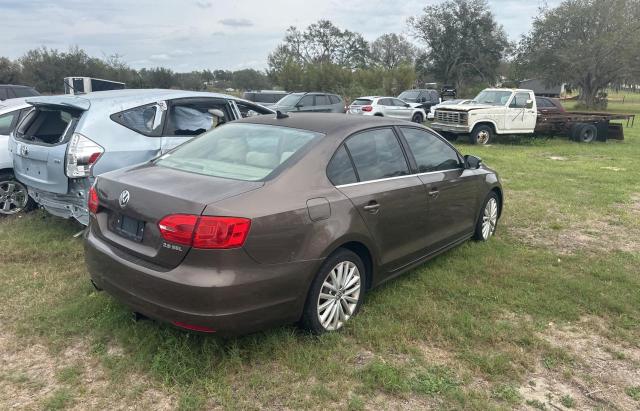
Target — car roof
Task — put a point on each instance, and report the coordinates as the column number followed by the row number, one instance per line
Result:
column 14, row 86
column 7, row 108
column 325, row 123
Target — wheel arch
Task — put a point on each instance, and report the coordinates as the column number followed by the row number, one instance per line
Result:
column 485, row 123
column 498, row 192
column 7, row 170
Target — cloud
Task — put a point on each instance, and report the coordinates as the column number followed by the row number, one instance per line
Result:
column 236, row 22
column 204, row 4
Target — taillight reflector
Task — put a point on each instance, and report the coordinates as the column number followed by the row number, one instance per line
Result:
column 193, row 327
column 93, row 202
column 205, row 231
column 367, row 108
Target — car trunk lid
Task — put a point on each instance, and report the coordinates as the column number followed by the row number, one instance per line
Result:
column 40, row 144
column 154, row 192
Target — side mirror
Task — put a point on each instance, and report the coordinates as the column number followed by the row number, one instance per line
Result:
column 529, row 104
column 472, row 162
column 298, row 106
column 407, row 105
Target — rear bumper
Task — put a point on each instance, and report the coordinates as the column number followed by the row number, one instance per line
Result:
column 221, row 289
column 450, row 128
column 62, row 205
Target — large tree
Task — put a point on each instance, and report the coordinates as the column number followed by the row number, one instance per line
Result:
column 588, row 43
column 392, row 50
column 464, row 43
column 321, row 43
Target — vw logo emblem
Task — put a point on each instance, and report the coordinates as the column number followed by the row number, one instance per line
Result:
column 123, row 200
column 24, row 150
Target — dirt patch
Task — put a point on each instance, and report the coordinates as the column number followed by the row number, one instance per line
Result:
column 558, row 158
column 31, row 374
column 598, row 377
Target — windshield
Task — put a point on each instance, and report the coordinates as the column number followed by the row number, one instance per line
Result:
column 409, row 95
column 289, row 100
column 493, row 97
column 247, row 152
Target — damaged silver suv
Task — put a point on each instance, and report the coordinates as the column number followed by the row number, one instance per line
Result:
column 60, row 147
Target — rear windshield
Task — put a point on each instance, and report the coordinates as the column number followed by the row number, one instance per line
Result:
column 409, row 95
column 48, row 126
column 247, row 152
column 361, row 102
column 268, row 97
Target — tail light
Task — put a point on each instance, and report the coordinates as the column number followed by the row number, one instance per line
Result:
column 93, row 202
column 205, row 231
column 82, row 154
column 367, row 108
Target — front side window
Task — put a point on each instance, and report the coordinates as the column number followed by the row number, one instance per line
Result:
column 377, row 154
column 430, row 153
column 398, row 103
column 334, row 99
column 289, row 100
column 340, row 170
column 306, row 101
column 248, row 152
column 519, row 100
column 411, row 95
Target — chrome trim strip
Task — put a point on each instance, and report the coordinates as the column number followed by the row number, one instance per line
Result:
column 395, row 178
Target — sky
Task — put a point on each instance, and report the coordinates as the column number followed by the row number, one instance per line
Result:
column 186, row 35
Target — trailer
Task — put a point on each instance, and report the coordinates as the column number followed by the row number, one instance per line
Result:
column 584, row 127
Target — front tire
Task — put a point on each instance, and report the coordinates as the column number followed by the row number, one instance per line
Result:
column 488, row 219
column 481, row 134
column 417, row 118
column 14, row 196
column 336, row 293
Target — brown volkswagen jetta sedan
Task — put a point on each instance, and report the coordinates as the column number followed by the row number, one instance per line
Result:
column 272, row 220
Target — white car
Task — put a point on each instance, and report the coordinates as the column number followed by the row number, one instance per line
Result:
column 432, row 110
column 386, row 107
column 13, row 194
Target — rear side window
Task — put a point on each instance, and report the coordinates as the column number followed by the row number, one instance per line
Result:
column 6, row 121
column 377, row 154
column 192, row 117
column 334, row 99
column 322, row 100
column 430, row 153
column 146, row 120
column 340, row 170
column 240, row 151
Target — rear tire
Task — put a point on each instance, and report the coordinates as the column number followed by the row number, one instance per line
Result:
column 417, row 118
column 14, row 197
column 481, row 134
column 586, row 133
column 488, row 218
column 336, row 293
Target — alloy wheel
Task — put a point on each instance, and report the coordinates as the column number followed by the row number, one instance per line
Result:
column 489, row 218
column 339, row 295
column 13, row 197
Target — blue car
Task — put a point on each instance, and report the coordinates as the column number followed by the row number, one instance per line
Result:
column 61, row 146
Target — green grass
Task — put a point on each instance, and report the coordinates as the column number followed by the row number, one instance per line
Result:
column 485, row 306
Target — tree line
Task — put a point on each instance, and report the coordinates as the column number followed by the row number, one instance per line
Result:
column 589, row 44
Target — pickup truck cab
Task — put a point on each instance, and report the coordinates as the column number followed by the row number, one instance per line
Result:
column 493, row 111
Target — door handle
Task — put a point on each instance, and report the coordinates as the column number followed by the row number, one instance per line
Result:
column 434, row 193
column 372, row 207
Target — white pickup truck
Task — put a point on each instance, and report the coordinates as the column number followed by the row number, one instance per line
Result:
column 493, row 111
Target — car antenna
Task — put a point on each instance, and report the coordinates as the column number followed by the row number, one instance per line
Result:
column 280, row 115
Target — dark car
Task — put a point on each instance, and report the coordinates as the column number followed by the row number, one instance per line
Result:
column 8, row 91
column 271, row 220
column 421, row 98
column 310, row 103
column 548, row 105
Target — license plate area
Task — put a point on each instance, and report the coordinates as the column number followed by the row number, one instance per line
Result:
column 128, row 227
